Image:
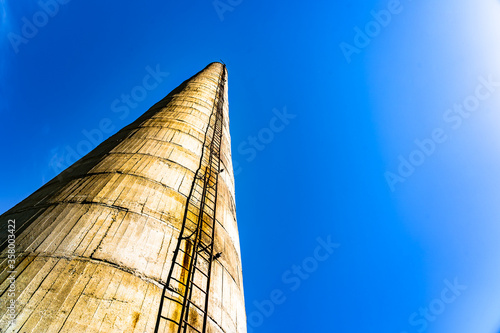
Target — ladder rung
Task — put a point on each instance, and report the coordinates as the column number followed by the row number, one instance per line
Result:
column 208, row 216
column 199, row 288
column 212, row 201
column 203, row 246
column 208, row 225
column 191, row 221
column 178, row 281
column 195, row 195
column 181, row 250
column 188, row 235
column 204, row 255
column 200, row 261
column 169, row 319
column 190, row 224
column 180, row 265
column 208, row 235
column 204, row 274
column 211, row 210
column 194, row 198
column 208, row 201
column 194, row 328
column 199, row 308
column 193, row 202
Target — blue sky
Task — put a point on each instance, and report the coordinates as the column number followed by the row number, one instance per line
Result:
column 426, row 240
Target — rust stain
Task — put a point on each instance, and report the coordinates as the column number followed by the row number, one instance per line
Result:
column 185, row 263
column 136, row 319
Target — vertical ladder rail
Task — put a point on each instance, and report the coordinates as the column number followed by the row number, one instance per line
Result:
column 194, row 253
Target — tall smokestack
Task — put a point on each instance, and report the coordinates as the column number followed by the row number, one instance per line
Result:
column 139, row 235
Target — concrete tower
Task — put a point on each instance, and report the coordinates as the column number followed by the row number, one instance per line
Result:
column 139, row 235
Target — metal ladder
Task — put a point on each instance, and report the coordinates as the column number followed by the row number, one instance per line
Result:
column 190, row 273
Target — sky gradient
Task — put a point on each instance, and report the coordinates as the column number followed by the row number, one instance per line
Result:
column 364, row 136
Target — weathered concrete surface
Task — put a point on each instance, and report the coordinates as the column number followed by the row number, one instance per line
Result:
column 95, row 244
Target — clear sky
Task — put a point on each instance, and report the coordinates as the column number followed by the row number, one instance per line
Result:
column 371, row 126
